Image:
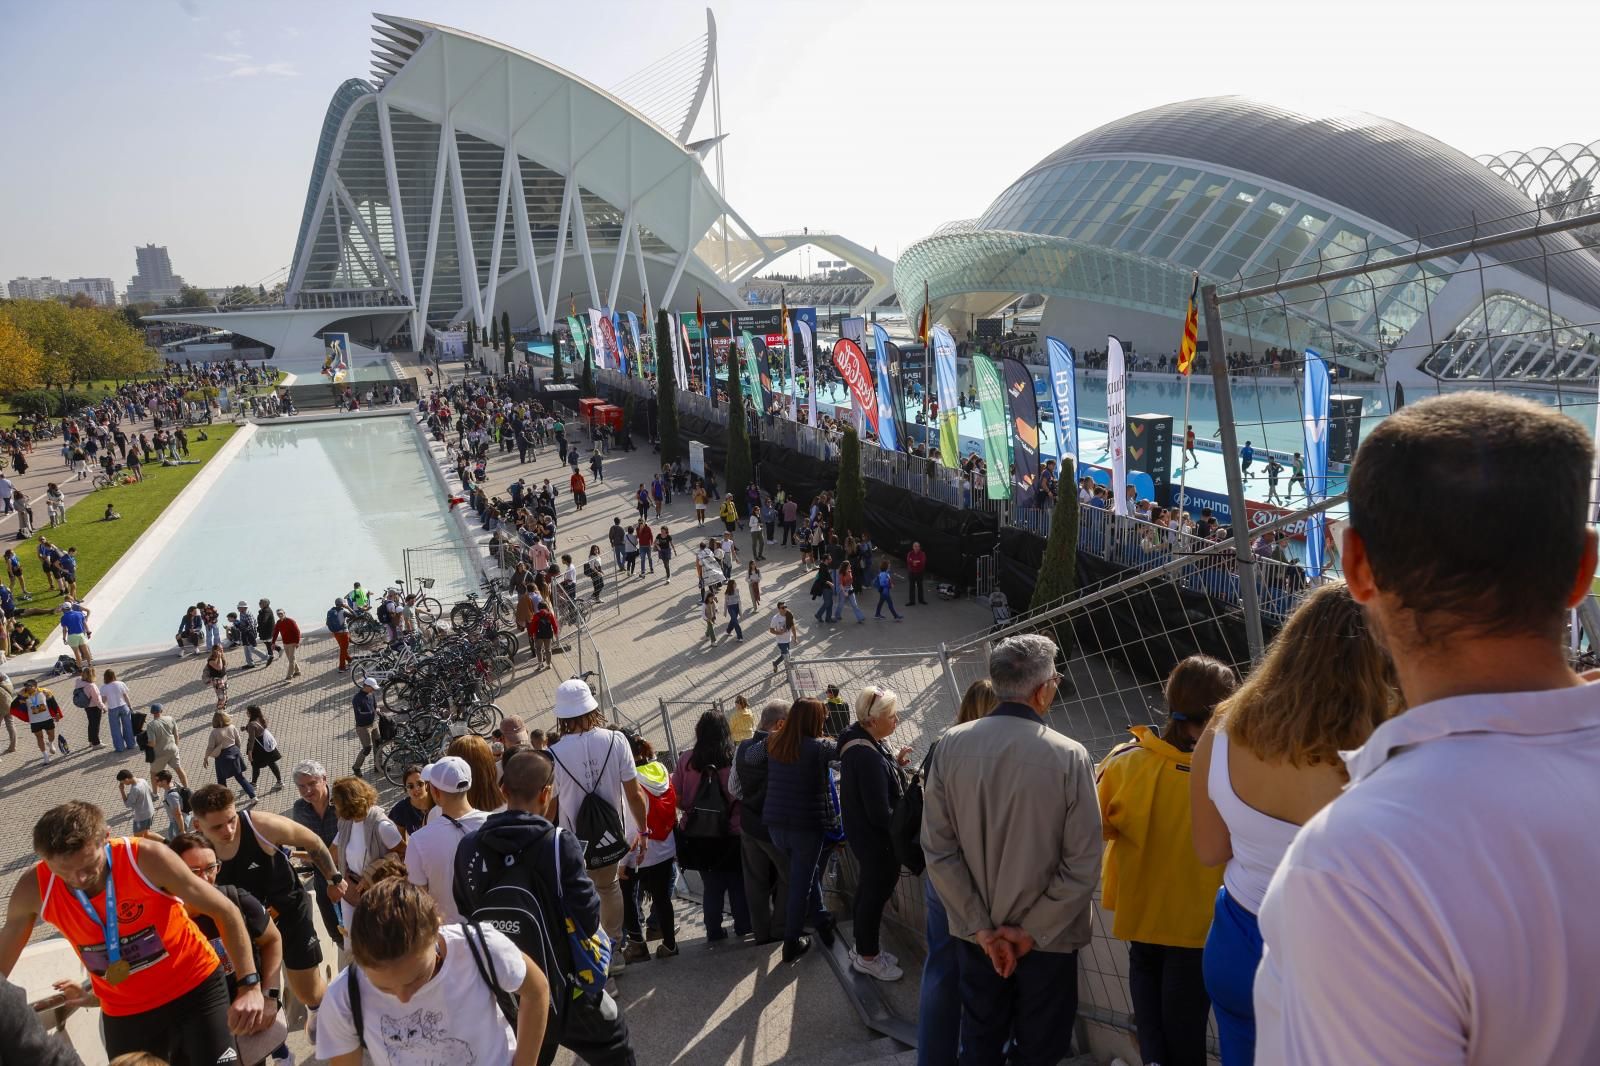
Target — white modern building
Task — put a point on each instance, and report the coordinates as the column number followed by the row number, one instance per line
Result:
column 465, row 178
column 101, row 290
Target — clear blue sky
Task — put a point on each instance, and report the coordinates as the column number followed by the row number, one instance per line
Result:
column 192, row 124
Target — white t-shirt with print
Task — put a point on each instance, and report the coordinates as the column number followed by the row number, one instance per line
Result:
column 452, row 1019
column 431, row 856
column 580, row 760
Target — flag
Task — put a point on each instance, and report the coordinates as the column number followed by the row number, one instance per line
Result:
column 811, row 372
column 851, row 363
column 922, row 325
column 1024, row 406
column 683, row 355
column 888, row 420
column 944, row 365
column 699, row 316
column 1314, row 426
column 992, row 405
column 1191, row 330
column 1117, row 423
column 637, row 368
column 1064, row 395
column 788, row 348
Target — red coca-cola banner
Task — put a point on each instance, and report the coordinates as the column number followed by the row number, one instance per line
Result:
column 851, row 362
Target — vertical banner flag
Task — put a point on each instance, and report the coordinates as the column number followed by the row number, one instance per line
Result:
column 1117, row 423
column 1314, row 422
column 760, row 383
column 888, row 420
column 684, row 353
column 944, row 355
column 788, row 349
column 579, row 344
column 638, row 349
column 1024, row 406
column 804, row 329
column 602, row 336
column 851, row 363
column 1191, row 330
column 1064, row 395
column 992, row 405
column 705, row 346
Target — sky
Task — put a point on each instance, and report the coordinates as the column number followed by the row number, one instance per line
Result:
column 192, row 123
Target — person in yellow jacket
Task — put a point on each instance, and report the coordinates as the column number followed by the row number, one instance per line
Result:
column 729, row 513
column 1151, row 879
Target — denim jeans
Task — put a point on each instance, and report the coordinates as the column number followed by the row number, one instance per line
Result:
column 1232, row 953
column 1034, row 1007
column 885, row 600
column 848, row 600
column 825, row 612
column 121, row 728
column 803, row 850
column 939, row 1006
column 720, row 885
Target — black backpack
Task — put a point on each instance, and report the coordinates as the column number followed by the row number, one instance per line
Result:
column 542, row 629
column 597, row 823
column 905, row 822
column 707, row 817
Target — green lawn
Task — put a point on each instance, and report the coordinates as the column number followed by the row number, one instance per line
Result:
column 100, row 544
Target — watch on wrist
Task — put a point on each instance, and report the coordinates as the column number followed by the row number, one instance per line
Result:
column 276, row 995
column 250, row 980
column 336, row 879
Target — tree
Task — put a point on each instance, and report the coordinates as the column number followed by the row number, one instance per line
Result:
column 494, row 334
column 1058, row 572
column 80, row 301
column 484, row 338
column 190, row 296
column 666, row 392
column 505, row 335
column 559, row 374
column 19, row 359
column 850, row 495
column 738, row 471
column 586, row 384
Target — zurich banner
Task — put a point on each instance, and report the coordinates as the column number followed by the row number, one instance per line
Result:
column 1314, row 422
column 1064, row 393
column 1117, row 423
column 944, row 366
column 888, row 422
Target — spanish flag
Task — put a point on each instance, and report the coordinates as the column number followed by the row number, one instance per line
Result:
column 783, row 308
column 699, row 316
column 1191, row 329
column 922, row 324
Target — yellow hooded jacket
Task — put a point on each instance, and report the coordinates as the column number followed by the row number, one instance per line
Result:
column 1151, row 877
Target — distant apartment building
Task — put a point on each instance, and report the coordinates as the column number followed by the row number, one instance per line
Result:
column 100, row 290
column 155, row 282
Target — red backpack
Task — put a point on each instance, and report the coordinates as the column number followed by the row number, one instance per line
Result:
column 661, row 815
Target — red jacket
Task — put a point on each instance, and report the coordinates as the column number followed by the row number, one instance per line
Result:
column 916, row 561
column 287, row 631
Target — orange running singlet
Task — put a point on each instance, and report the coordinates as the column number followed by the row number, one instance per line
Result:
column 159, row 940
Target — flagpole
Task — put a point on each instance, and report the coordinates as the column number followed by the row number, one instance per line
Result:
column 1183, row 453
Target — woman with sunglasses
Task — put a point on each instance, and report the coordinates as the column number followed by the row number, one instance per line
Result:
column 411, row 812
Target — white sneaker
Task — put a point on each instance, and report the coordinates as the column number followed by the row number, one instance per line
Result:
column 879, row 967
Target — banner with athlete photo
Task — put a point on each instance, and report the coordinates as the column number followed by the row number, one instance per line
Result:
column 1064, row 396
column 992, row 406
column 945, row 378
column 802, row 330
column 1117, row 423
column 580, row 343
column 637, row 364
column 1314, row 426
column 1024, row 408
column 851, row 363
column 888, row 419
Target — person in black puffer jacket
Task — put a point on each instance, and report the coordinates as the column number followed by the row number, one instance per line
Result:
column 869, row 788
column 797, row 814
column 766, row 871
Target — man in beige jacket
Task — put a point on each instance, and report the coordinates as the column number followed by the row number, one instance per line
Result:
column 1011, row 830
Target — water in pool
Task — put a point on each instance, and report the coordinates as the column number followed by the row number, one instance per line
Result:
column 299, row 513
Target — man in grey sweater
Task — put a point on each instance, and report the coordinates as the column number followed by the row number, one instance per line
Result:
column 1011, row 830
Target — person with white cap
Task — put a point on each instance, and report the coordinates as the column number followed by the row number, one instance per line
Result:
column 596, row 763
column 431, row 853
column 365, row 702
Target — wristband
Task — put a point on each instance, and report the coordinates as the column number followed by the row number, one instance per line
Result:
column 249, row 980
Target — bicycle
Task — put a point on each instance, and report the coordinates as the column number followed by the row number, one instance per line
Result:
column 423, row 605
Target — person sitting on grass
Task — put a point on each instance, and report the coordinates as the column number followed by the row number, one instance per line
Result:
column 111, row 514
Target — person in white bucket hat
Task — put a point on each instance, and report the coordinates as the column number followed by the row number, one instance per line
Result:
column 592, row 760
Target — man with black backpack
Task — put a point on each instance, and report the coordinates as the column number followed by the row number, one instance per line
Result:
column 594, row 776
column 525, row 877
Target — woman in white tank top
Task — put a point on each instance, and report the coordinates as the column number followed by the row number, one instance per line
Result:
column 1268, row 762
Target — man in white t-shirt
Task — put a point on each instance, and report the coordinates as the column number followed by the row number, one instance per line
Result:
column 593, row 759
column 431, row 852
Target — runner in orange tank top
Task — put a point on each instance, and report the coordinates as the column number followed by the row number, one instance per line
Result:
column 159, row 982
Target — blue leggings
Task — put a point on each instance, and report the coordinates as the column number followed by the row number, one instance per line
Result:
column 1233, row 951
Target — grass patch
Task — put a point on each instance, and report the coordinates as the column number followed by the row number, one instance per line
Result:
column 100, row 544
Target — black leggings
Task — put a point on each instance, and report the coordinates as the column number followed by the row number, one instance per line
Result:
column 656, row 883
column 257, row 767
column 880, row 872
column 191, row 1030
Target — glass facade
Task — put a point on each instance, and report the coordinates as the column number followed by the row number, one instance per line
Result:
column 1509, row 336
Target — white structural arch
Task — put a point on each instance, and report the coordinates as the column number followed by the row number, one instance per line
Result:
column 468, row 178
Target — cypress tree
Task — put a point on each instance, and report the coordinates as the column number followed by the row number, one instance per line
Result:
column 505, row 335
column 494, row 334
column 558, row 374
column 850, row 499
column 739, row 470
column 1058, row 571
column 586, row 383
column 666, row 391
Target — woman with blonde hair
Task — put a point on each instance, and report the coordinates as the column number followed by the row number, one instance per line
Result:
column 364, row 833
column 484, row 795
column 1267, row 762
column 458, row 980
column 225, row 744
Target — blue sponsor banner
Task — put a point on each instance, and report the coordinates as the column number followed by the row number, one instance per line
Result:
column 1064, row 399
column 1314, row 422
column 888, row 423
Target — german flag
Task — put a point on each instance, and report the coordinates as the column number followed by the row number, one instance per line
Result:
column 923, row 323
column 1191, row 329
